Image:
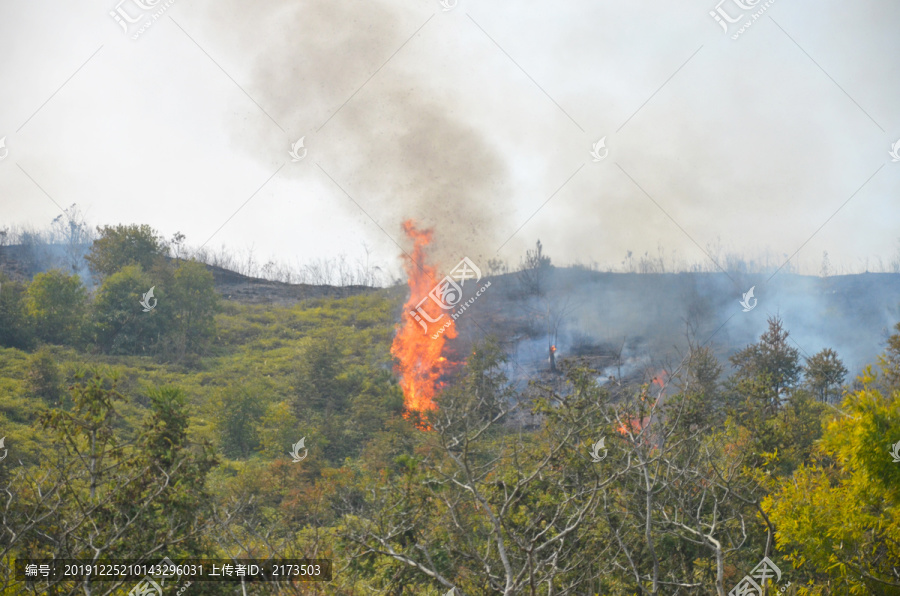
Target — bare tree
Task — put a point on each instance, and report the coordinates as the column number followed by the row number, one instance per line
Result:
column 533, row 271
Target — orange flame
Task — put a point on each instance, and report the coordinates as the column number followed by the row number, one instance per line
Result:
column 661, row 378
column 636, row 425
column 420, row 364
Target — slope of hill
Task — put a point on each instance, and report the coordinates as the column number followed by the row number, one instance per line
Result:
column 198, row 462
column 651, row 313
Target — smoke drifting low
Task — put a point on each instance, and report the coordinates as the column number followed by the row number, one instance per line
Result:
column 649, row 317
column 401, row 147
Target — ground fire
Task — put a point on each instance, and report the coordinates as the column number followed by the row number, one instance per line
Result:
column 420, row 357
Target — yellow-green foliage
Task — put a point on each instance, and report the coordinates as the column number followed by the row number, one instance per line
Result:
column 839, row 517
column 257, row 350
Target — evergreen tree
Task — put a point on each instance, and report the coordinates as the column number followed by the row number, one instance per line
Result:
column 825, row 373
column 318, row 384
column 236, row 411
column 890, row 361
column 771, row 367
column 533, row 271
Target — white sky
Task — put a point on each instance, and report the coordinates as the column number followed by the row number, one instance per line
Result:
column 470, row 125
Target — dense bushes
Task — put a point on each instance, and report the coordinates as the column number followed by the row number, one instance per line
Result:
column 56, row 303
column 15, row 331
column 56, row 308
column 120, row 246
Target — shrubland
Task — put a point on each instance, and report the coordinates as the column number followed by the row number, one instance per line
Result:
column 136, row 434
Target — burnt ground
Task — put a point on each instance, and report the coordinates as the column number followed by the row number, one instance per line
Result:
column 250, row 290
column 21, row 263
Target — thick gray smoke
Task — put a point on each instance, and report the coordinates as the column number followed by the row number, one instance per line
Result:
column 401, row 147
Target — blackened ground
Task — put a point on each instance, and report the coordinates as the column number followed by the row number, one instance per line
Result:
column 21, row 263
column 251, row 290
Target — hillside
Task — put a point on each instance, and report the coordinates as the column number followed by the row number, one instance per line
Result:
column 194, row 406
column 651, row 313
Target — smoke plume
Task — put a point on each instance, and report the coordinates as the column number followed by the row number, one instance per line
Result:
column 401, row 147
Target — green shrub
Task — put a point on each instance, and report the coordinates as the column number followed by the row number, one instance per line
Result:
column 56, row 303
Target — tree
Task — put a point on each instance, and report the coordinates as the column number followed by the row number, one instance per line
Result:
column 708, row 500
column 497, row 266
column 890, row 361
column 699, row 387
column 94, row 496
column 190, row 308
column 277, row 429
column 121, row 246
column 168, row 458
column 15, row 326
column 318, row 384
column 237, row 411
column 44, row 377
column 533, row 270
column 837, row 516
column 825, row 373
column 771, row 365
column 57, row 303
column 825, row 271
column 70, row 229
column 120, row 324
column 480, row 507
column 177, row 244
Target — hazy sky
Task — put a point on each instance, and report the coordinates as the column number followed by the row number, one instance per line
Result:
column 478, row 120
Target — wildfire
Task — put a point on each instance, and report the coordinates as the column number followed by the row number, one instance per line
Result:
column 660, row 379
column 634, row 426
column 420, row 362
column 637, row 424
